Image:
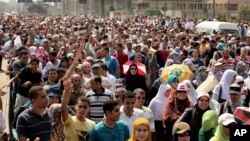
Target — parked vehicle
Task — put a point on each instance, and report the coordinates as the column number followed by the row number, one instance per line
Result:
column 214, row 26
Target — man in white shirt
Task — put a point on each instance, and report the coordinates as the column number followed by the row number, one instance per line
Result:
column 110, row 77
column 53, row 63
column 128, row 113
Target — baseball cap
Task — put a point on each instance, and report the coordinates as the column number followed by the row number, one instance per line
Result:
column 203, row 94
column 202, row 68
column 52, row 94
column 98, row 60
column 239, row 79
column 70, row 55
column 226, row 119
column 180, row 127
column 90, row 58
column 216, row 63
column 182, row 87
column 120, row 82
column 234, row 89
column 79, row 66
column 96, row 66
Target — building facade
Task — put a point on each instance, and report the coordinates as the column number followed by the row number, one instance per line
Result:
column 192, row 8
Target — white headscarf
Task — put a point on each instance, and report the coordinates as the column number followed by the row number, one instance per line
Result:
column 192, row 93
column 160, row 97
column 247, row 81
column 157, row 104
column 225, row 83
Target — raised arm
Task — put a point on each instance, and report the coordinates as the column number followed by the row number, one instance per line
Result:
column 75, row 62
column 65, row 98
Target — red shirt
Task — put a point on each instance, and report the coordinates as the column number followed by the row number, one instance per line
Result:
column 122, row 59
column 164, row 55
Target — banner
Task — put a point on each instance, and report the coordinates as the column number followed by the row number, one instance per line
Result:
column 25, row 1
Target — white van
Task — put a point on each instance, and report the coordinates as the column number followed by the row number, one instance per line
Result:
column 213, row 26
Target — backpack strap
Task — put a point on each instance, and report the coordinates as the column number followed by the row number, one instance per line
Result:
column 222, row 106
column 220, row 92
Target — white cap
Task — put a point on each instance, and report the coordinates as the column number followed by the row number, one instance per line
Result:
column 203, row 94
column 182, row 87
column 226, row 119
column 239, row 79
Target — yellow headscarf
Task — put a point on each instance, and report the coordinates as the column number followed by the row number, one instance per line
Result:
column 138, row 122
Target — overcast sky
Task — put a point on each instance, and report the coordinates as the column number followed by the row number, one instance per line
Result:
column 5, row 0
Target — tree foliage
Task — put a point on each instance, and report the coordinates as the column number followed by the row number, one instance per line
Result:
column 153, row 12
column 244, row 13
column 37, row 8
column 221, row 17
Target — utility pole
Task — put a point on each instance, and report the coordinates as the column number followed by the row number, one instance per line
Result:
column 156, row 4
column 213, row 9
column 165, row 7
column 228, row 10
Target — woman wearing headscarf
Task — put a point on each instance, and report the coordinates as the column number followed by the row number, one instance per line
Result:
column 173, row 81
column 222, row 132
column 134, row 79
column 153, row 66
column 193, row 115
column 155, row 86
column 208, row 125
column 241, row 69
column 192, row 94
column 141, row 130
column 174, row 108
column 221, row 91
column 157, row 105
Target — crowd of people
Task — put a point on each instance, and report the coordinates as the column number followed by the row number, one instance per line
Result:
column 69, row 80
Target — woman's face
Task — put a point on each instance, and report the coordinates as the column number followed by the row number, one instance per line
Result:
column 184, row 137
column 203, row 102
column 64, row 63
column 182, row 95
column 167, row 93
column 133, row 70
column 141, row 133
column 175, row 83
column 233, row 79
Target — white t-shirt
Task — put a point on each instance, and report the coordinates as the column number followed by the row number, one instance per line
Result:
column 130, row 120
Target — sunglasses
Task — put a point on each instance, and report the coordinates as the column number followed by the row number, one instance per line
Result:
column 133, row 68
column 186, row 134
column 181, row 92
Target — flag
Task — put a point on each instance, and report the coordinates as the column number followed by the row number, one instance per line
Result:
column 25, row 1
column 51, row 0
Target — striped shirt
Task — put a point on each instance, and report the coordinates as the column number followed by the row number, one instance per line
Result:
column 226, row 64
column 96, row 103
column 32, row 125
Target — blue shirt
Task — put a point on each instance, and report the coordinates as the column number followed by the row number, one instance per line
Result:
column 112, row 64
column 101, row 132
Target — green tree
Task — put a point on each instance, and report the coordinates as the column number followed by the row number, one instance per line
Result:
column 37, row 8
column 153, row 12
column 244, row 13
column 221, row 17
column 118, row 8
